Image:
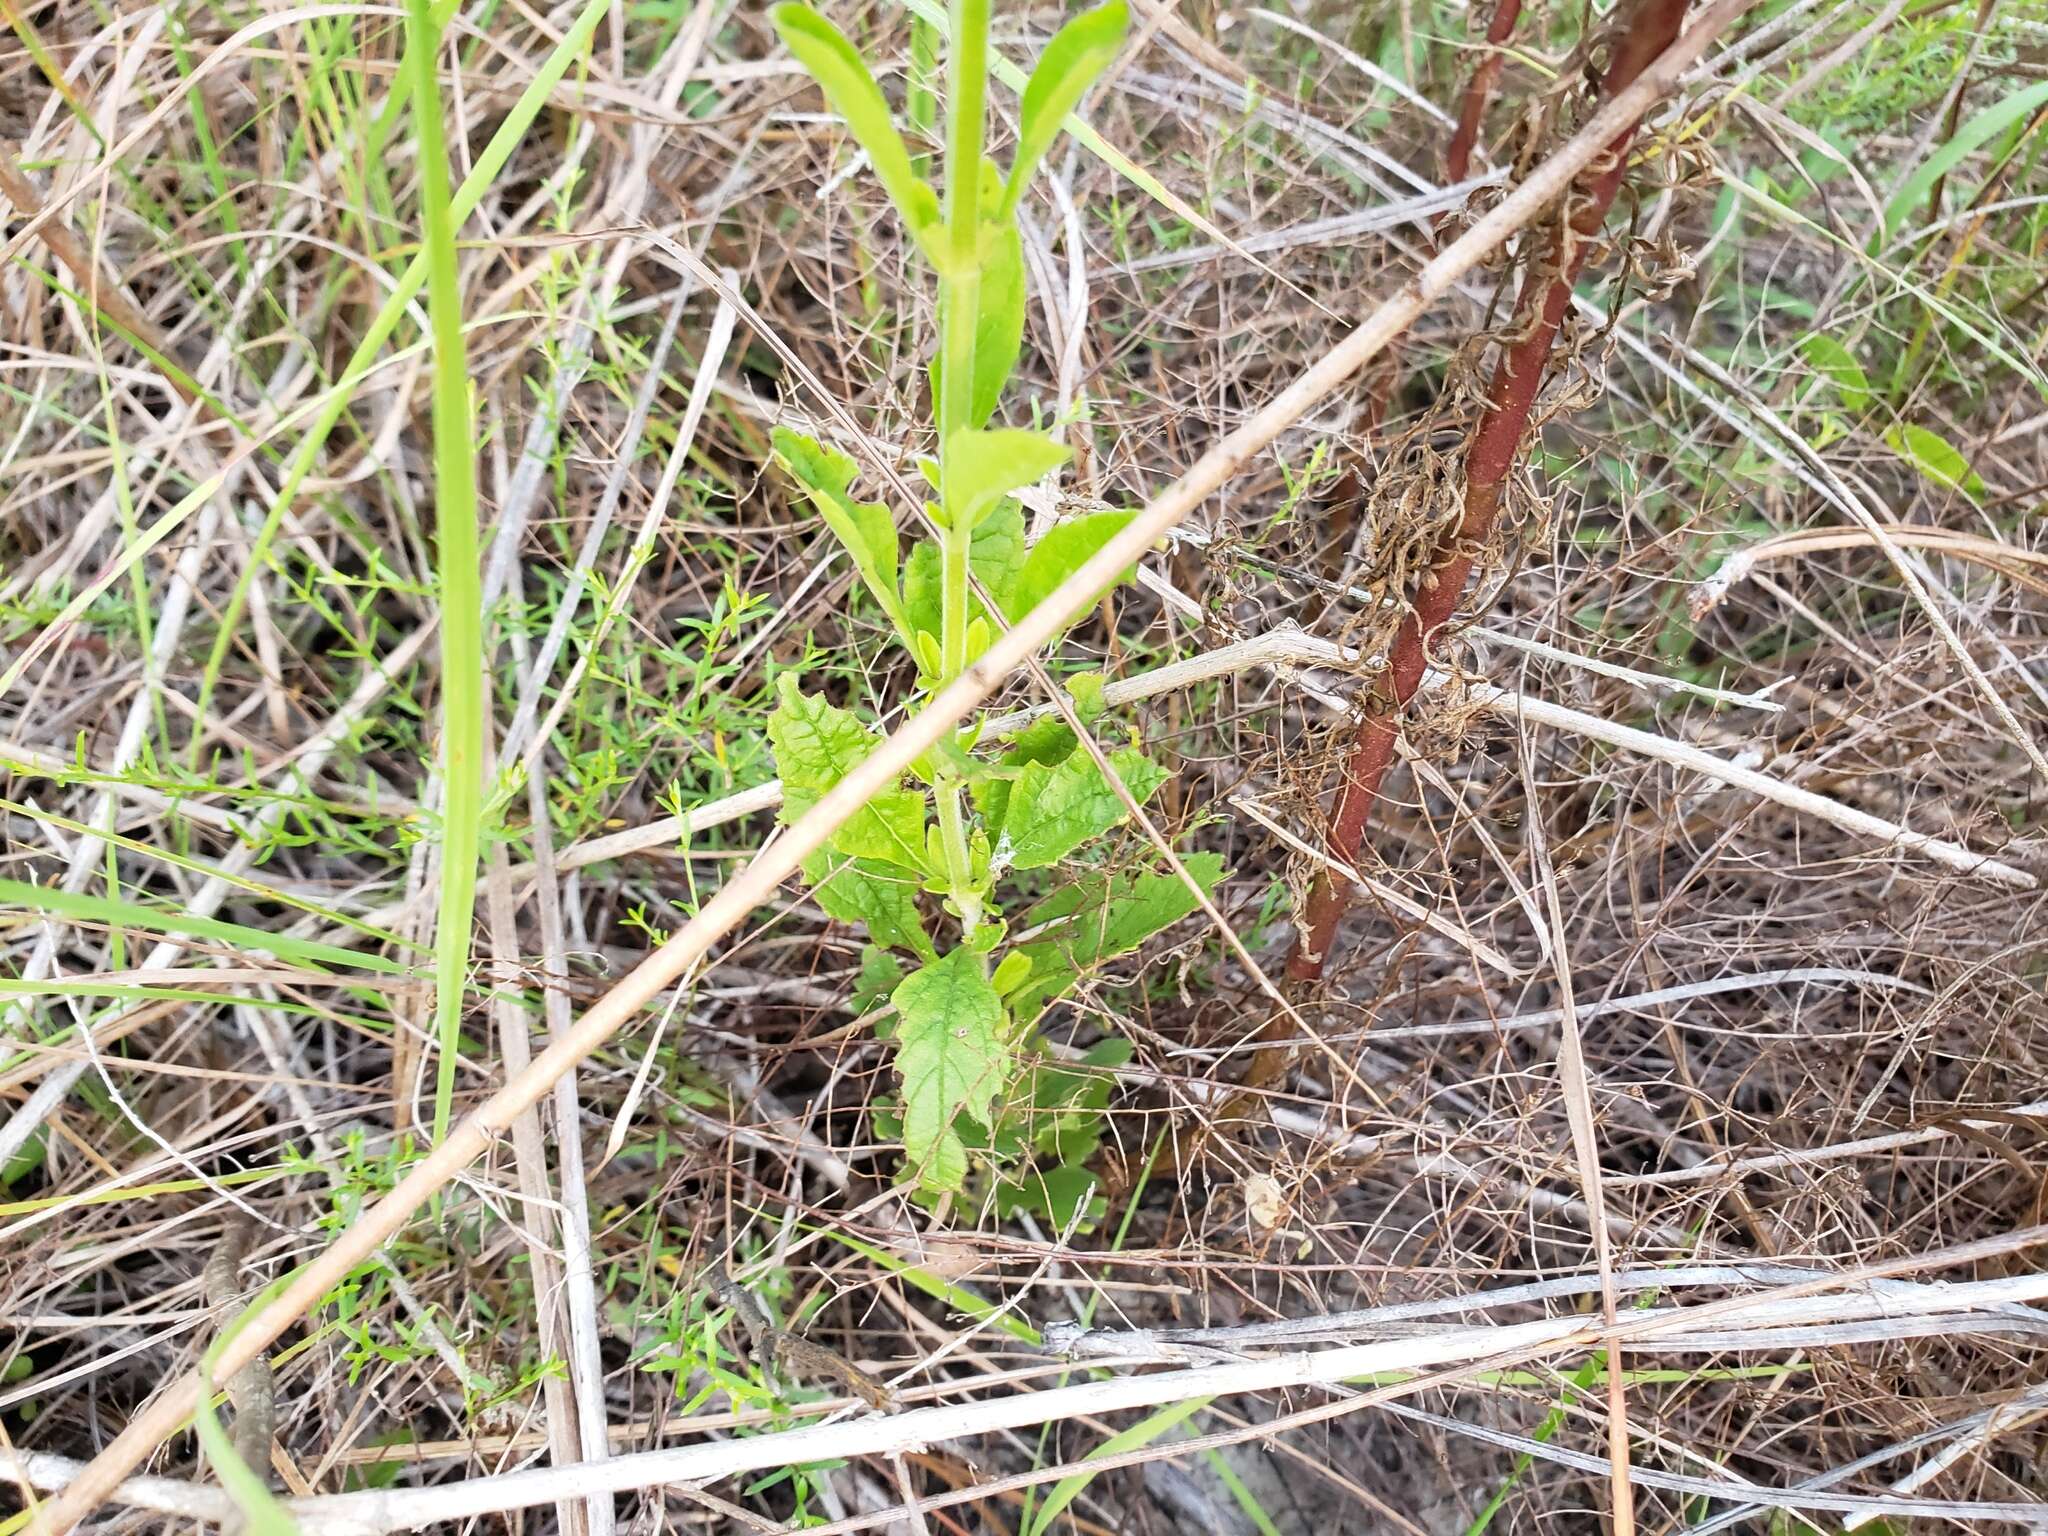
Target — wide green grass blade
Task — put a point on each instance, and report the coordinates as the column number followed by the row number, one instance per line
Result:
column 510, row 134
column 462, row 646
column 2004, row 113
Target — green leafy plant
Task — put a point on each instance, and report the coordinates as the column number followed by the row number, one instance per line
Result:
column 931, row 868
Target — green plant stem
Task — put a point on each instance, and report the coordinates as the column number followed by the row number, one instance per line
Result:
column 959, row 310
column 462, row 666
column 959, row 866
column 959, row 299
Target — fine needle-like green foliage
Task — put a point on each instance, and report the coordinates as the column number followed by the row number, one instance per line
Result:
column 462, row 666
column 979, row 1090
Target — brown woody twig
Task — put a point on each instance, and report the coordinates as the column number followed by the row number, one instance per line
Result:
column 1546, row 293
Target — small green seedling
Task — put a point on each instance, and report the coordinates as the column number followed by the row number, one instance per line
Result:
column 979, row 1090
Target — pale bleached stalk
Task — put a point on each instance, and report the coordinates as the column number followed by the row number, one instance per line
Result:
column 886, row 765
column 1711, row 592
column 1805, row 801
column 1967, row 1426
column 1407, row 906
column 1811, row 1296
column 1202, row 1345
column 1725, row 1483
column 537, row 1228
column 170, row 1496
column 642, row 547
column 623, row 206
column 2006, row 1417
column 1813, row 1157
column 585, row 1351
column 411, row 1509
column 86, row 851
column 1671, row 1327
column 163, row 1495
column 1663, row 997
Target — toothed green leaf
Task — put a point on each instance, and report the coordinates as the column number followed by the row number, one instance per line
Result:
column 1054, row 810
column 864, row 527
column 881, row 898
column 816, row 745
column 952, row 1058
column 1099, row 917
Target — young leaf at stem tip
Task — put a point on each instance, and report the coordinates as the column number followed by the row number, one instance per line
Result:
column 1079, row 52
column 833, row 61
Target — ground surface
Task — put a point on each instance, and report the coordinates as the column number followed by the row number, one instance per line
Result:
column 1800, row 1044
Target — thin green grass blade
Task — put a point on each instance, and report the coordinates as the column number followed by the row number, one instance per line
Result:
column 103, row 1196
column 957, row 1297
column 1247, row 1501
column 207, row 871
column 1980, row 329
column 1138, row 1436
column 90, row 593
column 129, row 914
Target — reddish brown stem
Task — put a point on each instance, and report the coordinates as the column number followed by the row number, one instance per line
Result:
column 1479, row 91
column 1539, row 309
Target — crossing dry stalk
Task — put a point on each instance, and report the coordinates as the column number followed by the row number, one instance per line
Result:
column 1490, row 458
